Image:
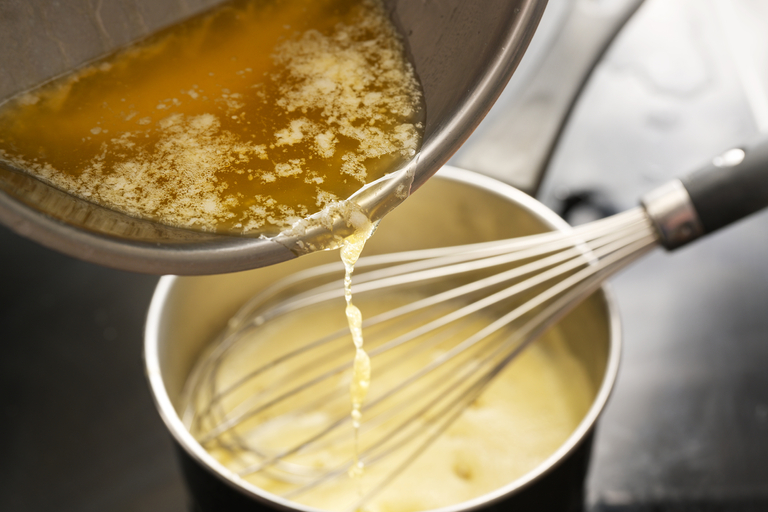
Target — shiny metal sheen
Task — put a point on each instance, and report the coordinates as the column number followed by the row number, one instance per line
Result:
column 464, row 53
column 673, row 214
column 730, row 158
column 515, row 142
column 457, row 206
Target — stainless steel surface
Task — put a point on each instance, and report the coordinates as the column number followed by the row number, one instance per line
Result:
column 463, row 52
column 42, row 40
column 730, row 158
column 186, row 313
column 514, row 143
column 672, row 212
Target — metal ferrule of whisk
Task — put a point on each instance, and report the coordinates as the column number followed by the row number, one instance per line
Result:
column 732, row 186
column 673, row 215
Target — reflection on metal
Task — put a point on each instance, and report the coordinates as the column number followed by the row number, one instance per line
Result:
column 673, row 214
column 515, row 142
column 729, row 158
column 42, row 39
column 745, row 38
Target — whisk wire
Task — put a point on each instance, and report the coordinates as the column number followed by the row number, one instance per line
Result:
column 554, row 272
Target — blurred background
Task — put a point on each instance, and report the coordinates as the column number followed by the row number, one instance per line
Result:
column 613, row 98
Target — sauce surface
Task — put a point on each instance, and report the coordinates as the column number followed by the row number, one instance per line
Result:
column 244, row 119
column 520, row 420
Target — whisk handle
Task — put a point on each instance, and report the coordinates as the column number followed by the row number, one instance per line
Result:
column 733, row 186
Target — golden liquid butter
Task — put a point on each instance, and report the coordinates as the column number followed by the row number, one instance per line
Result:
column 350, row 250
column 522, row 418
column 244, row 119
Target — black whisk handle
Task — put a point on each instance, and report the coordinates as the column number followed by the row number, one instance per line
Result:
column 733, row 186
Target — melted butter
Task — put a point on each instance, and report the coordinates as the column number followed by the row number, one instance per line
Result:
column 244, row 119
column 351, row 248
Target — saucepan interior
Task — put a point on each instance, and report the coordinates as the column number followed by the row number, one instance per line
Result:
column 456, row 207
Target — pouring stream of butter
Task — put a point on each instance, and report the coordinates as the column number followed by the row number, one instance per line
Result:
column 361, row 368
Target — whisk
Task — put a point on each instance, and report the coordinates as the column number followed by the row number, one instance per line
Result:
column 476, row 306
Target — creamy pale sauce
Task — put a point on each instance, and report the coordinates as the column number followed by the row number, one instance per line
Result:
column 520, row 419
column 244, row 119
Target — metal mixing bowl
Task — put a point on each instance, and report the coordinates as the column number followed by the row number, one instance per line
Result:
column 455, row 207
column 464, row 52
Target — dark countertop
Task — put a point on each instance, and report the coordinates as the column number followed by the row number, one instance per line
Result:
column 79, row 429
